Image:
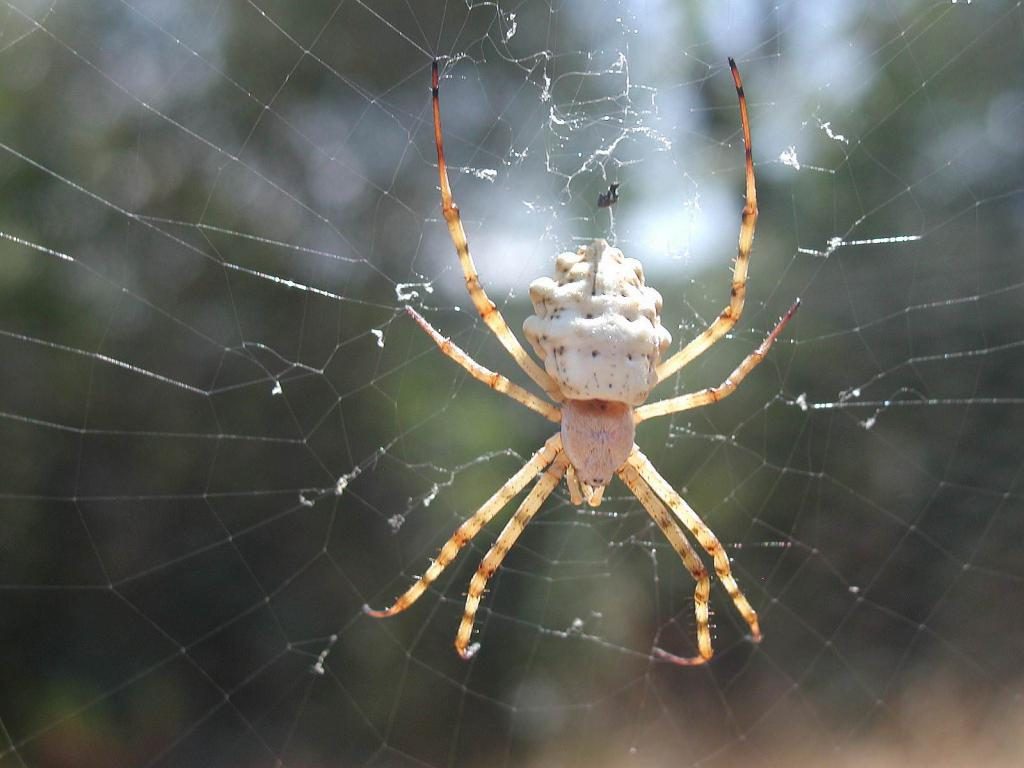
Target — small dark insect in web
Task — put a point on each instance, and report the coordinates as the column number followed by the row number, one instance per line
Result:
column 609, row 198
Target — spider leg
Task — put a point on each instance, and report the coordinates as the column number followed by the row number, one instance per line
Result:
column 726, row 388
column 700, row 531
column 731, row 314
column 495, row 381
column 488, row 311
column 505, row 541
column 702, row 591
column 472, row 526
column 572, row 482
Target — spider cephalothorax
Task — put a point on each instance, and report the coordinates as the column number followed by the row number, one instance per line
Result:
column 597, row 328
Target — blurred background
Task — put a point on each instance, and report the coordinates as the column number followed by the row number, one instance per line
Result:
column 220, row 435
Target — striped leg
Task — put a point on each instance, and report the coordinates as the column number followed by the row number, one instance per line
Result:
column 731, row 314
column 471, row 527
column 488, row 311
column 506, row 539
column 495, row 381
column 700, row 531
column 702, row 591
column 726, row 388
column 573, row 484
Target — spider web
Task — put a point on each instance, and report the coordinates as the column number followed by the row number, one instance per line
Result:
column 220, row 435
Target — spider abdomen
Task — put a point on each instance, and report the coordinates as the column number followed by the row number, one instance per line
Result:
column 597, row 436
column 597, row 326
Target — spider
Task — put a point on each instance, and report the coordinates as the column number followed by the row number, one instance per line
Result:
column 597, row 328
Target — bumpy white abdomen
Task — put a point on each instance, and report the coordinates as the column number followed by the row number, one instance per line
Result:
column 597, row 327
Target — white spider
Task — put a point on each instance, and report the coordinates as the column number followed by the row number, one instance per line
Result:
column 598, row 330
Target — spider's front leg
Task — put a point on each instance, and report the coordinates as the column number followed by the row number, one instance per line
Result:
column 748, row 222
column 487, row 309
